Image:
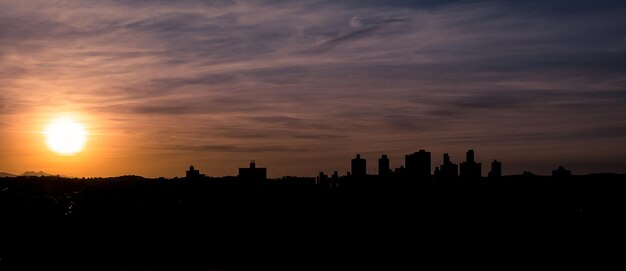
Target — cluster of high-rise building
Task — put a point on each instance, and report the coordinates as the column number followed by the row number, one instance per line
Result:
column 418, row 166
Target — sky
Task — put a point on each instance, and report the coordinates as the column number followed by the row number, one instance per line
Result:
column 303, row 86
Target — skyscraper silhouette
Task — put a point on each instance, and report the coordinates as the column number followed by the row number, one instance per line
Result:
column 448, row 170
column 418, row 164
column 359, row 167
column 470, row 169
column 323, row 180
column 383, row 166
column 496, row 169
column 334, row 181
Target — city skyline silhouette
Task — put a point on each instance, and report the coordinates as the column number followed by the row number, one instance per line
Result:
column 250, row 221
column 416, row 165
column 311, row 134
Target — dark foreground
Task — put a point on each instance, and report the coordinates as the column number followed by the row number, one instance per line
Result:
column 131, row 223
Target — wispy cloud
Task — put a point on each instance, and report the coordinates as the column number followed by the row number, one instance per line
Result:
column 293, row 76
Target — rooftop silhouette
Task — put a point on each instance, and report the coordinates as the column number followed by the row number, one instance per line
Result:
column 253, row 173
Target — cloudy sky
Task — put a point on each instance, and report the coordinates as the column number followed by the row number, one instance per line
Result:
column 302, row 86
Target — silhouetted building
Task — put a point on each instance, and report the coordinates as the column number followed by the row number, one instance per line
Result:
column 448, row 170
column 253, row 173
column 383, row 166
column 359, row 167
column 470, row 169
column 334, row 181
column 418, row 164
column 193, row 173
column 496, row 169
column 323, row 179
column 561, row 172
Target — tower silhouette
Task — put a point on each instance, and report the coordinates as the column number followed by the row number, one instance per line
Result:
column 448, row 170
column 496, row 169
column 470, row 169
column 418, row 164
column 359, row 167
column 383, row 166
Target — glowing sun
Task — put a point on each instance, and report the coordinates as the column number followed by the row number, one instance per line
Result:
column 65, row 136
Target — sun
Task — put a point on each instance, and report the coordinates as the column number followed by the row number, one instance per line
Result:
column 65, row 136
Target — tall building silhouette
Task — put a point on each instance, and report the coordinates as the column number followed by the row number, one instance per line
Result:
column 322, row 179
column 383, row 166
column 418, row 164
column 470, row 169
column 448, row 170
column 359, row 167
column 253, row 173
column 193, row 173
column 334, row 181
column 496, row 169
